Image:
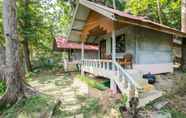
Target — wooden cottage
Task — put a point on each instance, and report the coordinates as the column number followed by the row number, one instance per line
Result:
column 72, row 55
column 129, row 46
column 73, row 49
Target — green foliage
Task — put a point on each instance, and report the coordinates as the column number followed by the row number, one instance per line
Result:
column 175, row 113
column 2, row 87
column 35, row 104
column 170, row 10
column 120, row 4
column 121, row 103
column 92, row 82
column 48, row 61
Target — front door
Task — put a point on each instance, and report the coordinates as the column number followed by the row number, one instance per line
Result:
column 103, row 49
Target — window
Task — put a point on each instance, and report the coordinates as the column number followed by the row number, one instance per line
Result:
column 120, row 44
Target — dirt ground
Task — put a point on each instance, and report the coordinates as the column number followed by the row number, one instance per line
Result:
column 173, row 86
column 174, row 94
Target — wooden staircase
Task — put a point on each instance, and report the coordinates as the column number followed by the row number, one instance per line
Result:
column 130, row 82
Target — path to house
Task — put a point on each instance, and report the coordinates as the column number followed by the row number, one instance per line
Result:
column 60, row 87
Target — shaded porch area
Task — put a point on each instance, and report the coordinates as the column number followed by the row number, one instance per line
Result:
column 116, row 65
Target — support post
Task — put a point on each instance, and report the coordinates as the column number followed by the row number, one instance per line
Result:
column 112, row 83
column 113, row 46
column 114, row 4
column 82, row 57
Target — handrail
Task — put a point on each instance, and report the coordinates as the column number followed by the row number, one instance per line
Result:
column 103, row 60
column 123, row 79
column 128, row 75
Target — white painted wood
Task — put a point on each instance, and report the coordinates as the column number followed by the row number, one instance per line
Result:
column 113, row 46
column 98, row 8
column 113, row 86
column 82, row 57
column 154, row 68
column 73, row 19
column 118, row 77
column 114, row 4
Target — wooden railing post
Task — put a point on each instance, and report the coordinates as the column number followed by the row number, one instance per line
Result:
column 108, row 68
column 82, row 57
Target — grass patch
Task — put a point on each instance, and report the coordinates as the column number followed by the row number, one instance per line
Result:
column 92, row 82
column 31, row 107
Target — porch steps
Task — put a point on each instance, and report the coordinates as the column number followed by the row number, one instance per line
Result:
column 148, row 93
column 149, row 97
column 138, row 77
column 130, row 82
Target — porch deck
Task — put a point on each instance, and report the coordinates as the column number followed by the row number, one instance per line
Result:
column 129, row 82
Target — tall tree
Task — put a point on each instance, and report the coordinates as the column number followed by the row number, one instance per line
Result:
column 26, row 40
column 169, row 10
column 16, row 87
column 12, row 71
column 159, row 11
column 183, row 12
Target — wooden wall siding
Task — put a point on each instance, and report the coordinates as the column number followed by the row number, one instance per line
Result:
column 153, row 47
column 98, row 24
column 147, row 46
column 76, row 55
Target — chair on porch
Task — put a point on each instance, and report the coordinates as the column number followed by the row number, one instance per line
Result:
column 127, row 61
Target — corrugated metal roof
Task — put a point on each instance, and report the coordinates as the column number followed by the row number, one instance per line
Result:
column 63, row 43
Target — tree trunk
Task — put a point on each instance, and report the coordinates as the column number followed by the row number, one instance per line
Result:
column 25, row 42
column 2, row 61
column 183, row 14
column 12, row 71
column 27, row 55
column 183, row 29
column 2, row 56
column 159, row 11
column 16, row 86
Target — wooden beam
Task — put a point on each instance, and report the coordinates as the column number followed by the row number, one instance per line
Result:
column 76, row 30
column 96, row 20
column 80, row 20
column 74, row 17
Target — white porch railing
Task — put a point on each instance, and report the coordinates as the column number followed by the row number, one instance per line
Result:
column 113, row 70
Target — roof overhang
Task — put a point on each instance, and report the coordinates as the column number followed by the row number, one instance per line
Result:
column 84, row 7
column 62, row 43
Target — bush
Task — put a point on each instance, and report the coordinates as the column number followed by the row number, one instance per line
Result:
column 47, row 61
column 2, row 87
